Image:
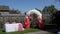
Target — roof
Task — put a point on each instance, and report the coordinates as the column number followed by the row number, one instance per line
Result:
column 3, row 7
column 14, row 12
column 11, row 11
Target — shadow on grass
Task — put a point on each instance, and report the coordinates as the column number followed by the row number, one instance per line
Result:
column 52, row 29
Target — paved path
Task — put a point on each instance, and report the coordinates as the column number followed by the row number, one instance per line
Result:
column 40, row 32
column 46, row 31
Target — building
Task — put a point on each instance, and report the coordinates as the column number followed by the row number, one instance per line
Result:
column 10, row 13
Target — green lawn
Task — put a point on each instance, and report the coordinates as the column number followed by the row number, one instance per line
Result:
column 23, row 32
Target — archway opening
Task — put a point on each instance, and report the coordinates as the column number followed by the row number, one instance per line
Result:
column 33, row 21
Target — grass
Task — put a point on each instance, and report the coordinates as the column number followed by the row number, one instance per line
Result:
column 23, row 32
column 51, row 33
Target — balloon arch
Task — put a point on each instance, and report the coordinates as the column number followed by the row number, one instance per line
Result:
column 39, row 15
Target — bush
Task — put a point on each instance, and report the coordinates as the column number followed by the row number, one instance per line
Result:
column 34, row 24
column 1, row 23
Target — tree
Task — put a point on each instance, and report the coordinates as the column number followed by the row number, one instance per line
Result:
column 57, row 0
column 48, row 11
column 52, row 9
column 38, row 10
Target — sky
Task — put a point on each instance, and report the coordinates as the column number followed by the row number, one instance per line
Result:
column 26, row 5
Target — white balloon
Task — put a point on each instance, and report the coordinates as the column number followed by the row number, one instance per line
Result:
column 39, row 14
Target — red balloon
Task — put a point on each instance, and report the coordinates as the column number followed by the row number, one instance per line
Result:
column 27, row 22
